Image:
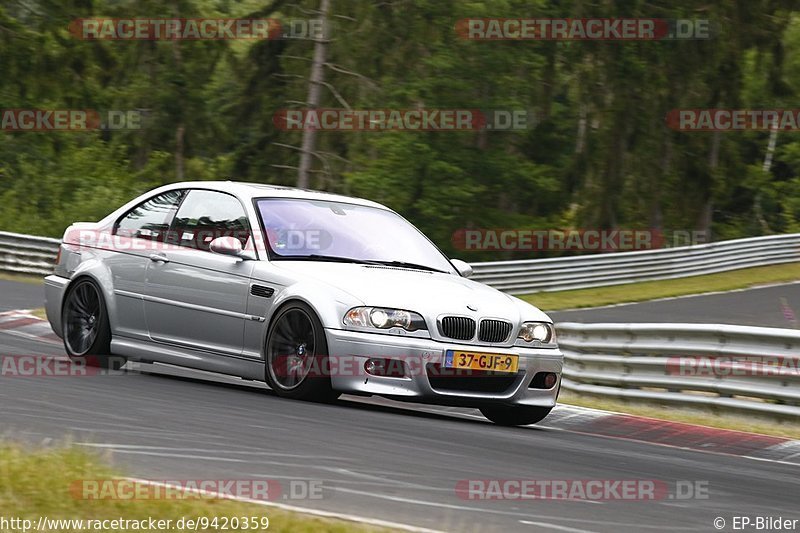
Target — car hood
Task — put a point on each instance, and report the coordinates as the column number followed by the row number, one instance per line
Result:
column 429, row 293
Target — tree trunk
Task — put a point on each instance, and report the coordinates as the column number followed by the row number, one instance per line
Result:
column 656, row 214
column 180, row 131
column 580, row 138
column 759, row 212
column 309, row 143
column 179, row 144
column 707, row 210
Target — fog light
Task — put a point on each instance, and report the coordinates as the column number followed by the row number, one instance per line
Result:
column 372, row 365
column 544, row 380
column 385, row 368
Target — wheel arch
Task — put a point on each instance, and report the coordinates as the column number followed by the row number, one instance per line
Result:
column 100, row 275
column 330, row 308
column 279, row 306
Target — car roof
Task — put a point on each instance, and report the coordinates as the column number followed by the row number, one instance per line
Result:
column 249, row 190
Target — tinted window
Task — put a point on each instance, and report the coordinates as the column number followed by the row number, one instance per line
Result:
column 311, row 229
column 206, row 215
column 150, row 220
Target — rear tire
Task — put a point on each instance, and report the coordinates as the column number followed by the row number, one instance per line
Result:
column 85, row 327
column 515, row 416
column 297, row 355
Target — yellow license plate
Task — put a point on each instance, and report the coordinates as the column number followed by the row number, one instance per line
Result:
column 493, row 362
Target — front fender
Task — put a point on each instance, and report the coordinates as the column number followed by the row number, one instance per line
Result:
column 330, row 303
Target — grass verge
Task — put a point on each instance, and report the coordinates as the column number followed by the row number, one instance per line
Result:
column 36, row 483
column 650, row 290
column 19, row 278
column 39, row 312
column 751, row 424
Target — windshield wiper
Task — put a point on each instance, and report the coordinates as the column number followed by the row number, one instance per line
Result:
column 405, row 264
column 318, row 257
column 338, row 259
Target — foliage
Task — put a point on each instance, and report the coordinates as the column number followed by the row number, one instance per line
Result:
column 599, row 155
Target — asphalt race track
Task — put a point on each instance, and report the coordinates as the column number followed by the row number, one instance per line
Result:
column 15, row 295
column 375, row 458
column 752, row 307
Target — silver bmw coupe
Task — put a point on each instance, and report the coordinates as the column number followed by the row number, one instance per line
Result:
column 314, row 293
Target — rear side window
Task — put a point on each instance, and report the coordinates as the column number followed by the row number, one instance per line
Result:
column 151, row 219
column 205, row 215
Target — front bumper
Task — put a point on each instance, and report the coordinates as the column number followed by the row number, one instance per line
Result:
column 54, row 289
column 350, row 350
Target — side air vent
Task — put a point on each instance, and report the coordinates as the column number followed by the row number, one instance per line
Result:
column 261, row 291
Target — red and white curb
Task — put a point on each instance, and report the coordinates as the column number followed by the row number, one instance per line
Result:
column 22, row 323
column 673, row 434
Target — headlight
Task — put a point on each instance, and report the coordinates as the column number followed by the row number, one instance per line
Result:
column 537, row 331
column 384, row 318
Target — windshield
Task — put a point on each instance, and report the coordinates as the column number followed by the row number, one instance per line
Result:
column 334, row 231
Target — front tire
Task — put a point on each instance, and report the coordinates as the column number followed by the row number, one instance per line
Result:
column 85, row 327
column 504, row 415
column 297, row 355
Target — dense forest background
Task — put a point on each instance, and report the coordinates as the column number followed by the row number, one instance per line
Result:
column 599, row 156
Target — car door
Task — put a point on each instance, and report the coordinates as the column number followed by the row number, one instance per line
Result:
column 197, row 298
column 137, row 234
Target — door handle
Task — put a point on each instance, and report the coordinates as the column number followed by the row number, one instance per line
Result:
column 160, row 258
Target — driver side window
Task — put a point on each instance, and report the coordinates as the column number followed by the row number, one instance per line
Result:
column 205, row 215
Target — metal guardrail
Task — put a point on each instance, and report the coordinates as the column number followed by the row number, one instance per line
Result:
column 26, row 254
column 636, row 361
column 599, row 270
column 742, row 368
column 35, row 255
